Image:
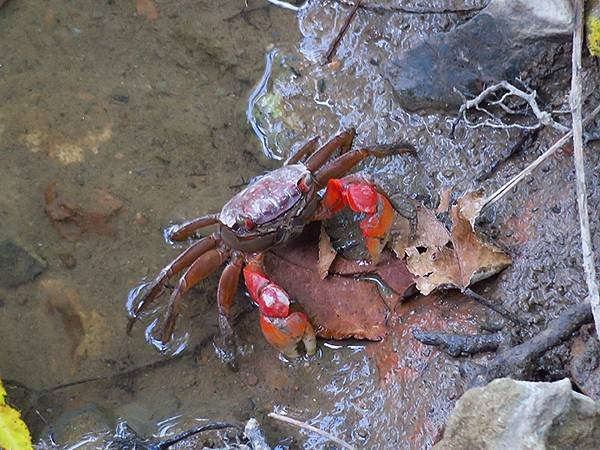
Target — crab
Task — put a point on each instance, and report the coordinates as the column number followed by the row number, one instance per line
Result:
column 270, row 211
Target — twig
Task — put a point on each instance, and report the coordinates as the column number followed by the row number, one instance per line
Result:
column 544, row 118
column 584, row 221
column 306, row 426
column 495, row 306
column 459, row 344
column 517, row 361
column 516, row 179
column 187, row 434
column 334, row 45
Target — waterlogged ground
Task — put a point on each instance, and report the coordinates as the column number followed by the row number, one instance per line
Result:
column 136, row 122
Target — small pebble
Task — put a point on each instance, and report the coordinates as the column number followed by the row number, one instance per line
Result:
column 120, row 98
column 67, row 260
column 251, row 379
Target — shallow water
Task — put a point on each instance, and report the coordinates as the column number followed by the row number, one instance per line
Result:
column 141, row 124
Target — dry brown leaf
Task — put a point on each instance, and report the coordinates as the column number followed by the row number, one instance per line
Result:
column 442, row 259
column 146, row 8
column 429, row 233
column 477, row 258
column 445, row 198
column 326, row 253
column 437, row 267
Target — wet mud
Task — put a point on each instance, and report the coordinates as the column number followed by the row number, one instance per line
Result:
column 115, row 124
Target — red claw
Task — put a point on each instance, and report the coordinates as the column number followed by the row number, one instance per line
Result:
column 286, row 333
column 362, row 197
column 270, row 298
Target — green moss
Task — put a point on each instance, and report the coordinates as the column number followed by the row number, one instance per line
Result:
column 593, row 34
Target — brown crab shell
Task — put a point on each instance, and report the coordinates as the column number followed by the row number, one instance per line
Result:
column 274, row 204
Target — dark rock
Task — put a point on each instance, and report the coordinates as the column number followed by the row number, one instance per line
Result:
column 499, row 43
column 520, row 414
column 585, row 362
column 18, row 264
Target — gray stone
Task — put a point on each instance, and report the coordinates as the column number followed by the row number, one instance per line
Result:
column 503, row 40
column 72, row 425
column 18, row 264
column 509, row 414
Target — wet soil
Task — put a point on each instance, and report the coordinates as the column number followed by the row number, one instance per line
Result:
column 138, row 124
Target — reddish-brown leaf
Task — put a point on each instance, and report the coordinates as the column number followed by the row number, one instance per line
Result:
column 343, row 305
column 146, row 8
column 90, row 211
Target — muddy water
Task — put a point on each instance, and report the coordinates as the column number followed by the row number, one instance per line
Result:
column 140, row 123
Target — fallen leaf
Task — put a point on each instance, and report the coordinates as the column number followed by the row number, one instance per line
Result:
column 14, row 434
column 91, row 212
column 436, row 268
column 429, row 233
column 478, row 259
column 326, row 253
column 345, row 304
column 146, row 8
column 441, row 259
column 445, row 198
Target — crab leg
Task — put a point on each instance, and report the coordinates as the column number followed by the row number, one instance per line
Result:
column 225, row 294
column 192, row 253
column 344, row 164
column 200, row 269
column 342, row 141
column 282, row 329
column 361, row 196
column 185, row 230
column 306, row 149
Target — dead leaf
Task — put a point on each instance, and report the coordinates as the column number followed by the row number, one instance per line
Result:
column 71, row 219
column 477, row 258
column 146, row 8
column 437, row 267
column 343, row 305
column 445, row 198
column 326, row 253
column 429, row 233
column 440, row 259
column 469, row 205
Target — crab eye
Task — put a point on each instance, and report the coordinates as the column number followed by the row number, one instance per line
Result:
column 305, row 183
column 245, row 222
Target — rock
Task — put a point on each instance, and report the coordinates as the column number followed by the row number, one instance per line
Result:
column 585, row 362
column 503, row 40
column 509, row 414
column 72, row 425
column 18, row 264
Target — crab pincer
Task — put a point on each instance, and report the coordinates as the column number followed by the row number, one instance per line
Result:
column 283, row 328
column 360, row 195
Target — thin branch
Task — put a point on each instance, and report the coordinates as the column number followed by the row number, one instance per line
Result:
column 334, row 45
column 517, row 361
column 516, row 179
column 544, row 118
column 584, row 221
column 306, row 426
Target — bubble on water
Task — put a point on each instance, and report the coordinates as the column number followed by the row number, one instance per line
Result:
column 173, row 347
column 135, row 296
